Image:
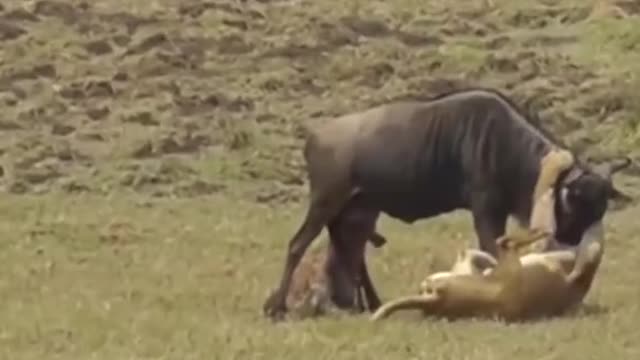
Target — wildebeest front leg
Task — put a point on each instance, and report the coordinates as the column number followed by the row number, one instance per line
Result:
column 489, row 221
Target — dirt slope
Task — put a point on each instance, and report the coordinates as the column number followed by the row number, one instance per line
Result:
column 192, row 97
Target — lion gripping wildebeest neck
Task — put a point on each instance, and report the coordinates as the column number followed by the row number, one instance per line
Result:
column 471, row 149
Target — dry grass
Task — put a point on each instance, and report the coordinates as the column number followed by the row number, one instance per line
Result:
column 150, row 149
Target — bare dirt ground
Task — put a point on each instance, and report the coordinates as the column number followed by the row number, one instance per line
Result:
column 151, row 169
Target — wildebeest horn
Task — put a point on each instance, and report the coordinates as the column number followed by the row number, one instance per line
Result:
column 611, row 167
column 621, row 164
column 607, row 169
column 618, row 195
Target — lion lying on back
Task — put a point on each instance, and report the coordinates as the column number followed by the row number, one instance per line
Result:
column 514, row 287
column 511, row 290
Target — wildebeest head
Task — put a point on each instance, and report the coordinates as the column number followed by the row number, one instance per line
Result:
column 582, row 194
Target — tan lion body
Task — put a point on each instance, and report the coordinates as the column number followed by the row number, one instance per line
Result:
column 512, row 290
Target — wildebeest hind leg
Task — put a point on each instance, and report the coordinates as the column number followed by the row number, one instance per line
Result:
column 489, row 221
column 373, row 301
column 344, row 280
column 321, row 209
column 360, row 299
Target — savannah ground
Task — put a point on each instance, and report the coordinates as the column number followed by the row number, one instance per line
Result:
column 152, row 176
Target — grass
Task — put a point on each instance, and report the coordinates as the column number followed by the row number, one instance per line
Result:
column 149, row 194
column 129, row 277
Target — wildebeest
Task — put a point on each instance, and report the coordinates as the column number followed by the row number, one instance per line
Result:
column 337, row 277
column 468, row 149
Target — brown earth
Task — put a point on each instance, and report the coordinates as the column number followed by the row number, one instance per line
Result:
column 187, row 98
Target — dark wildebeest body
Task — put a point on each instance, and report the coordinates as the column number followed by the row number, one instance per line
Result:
column 471, row 149
column 415, row 169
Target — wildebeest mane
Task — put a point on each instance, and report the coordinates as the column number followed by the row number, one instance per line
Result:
column 530, row 116
column 531, row 142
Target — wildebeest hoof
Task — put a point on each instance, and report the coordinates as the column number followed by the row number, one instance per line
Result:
column 275, row 313
column 374, row 305
column 275, row 307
